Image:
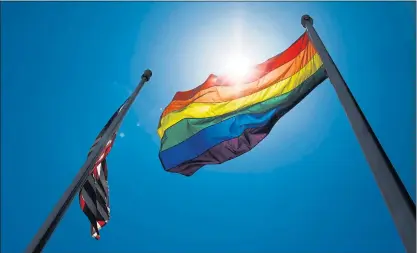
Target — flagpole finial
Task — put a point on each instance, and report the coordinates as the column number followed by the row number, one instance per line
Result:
column 306, row 19
column 147, row 74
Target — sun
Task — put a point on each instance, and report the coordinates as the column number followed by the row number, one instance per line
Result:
column 237, row 67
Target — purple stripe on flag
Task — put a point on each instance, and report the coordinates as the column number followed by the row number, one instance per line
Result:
column 225, row 151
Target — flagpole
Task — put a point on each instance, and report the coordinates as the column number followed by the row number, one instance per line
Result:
column 58, row 212
column 399, row 202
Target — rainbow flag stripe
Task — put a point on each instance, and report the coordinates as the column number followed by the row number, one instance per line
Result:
column 223, row 118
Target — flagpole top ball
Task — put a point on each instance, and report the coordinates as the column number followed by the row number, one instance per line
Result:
column 147, row 74
column 306, row 19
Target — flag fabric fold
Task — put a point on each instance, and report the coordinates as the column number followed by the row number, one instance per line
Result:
column 224, row 118
column 94, row 195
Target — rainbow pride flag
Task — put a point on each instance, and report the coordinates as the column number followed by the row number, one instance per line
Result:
column 223, row 118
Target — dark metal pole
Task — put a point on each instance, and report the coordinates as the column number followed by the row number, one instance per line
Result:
column 58, row 212
column 399, row 202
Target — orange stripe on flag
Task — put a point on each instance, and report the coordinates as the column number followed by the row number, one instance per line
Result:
column 259, row 71
column 218, row 94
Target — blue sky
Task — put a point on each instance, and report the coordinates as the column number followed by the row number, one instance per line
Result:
column 66, row 67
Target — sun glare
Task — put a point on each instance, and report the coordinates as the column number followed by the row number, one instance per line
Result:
column 237, row 66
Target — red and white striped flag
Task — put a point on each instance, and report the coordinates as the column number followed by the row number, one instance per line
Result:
column 94, row 195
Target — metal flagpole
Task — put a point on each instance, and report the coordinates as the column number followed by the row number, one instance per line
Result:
column 399, row 202
column 58, row 212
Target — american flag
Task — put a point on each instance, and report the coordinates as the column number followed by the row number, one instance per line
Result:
column 94, row 195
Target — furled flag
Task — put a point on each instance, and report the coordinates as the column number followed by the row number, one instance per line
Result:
column 224, row 118
column 94, row 195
